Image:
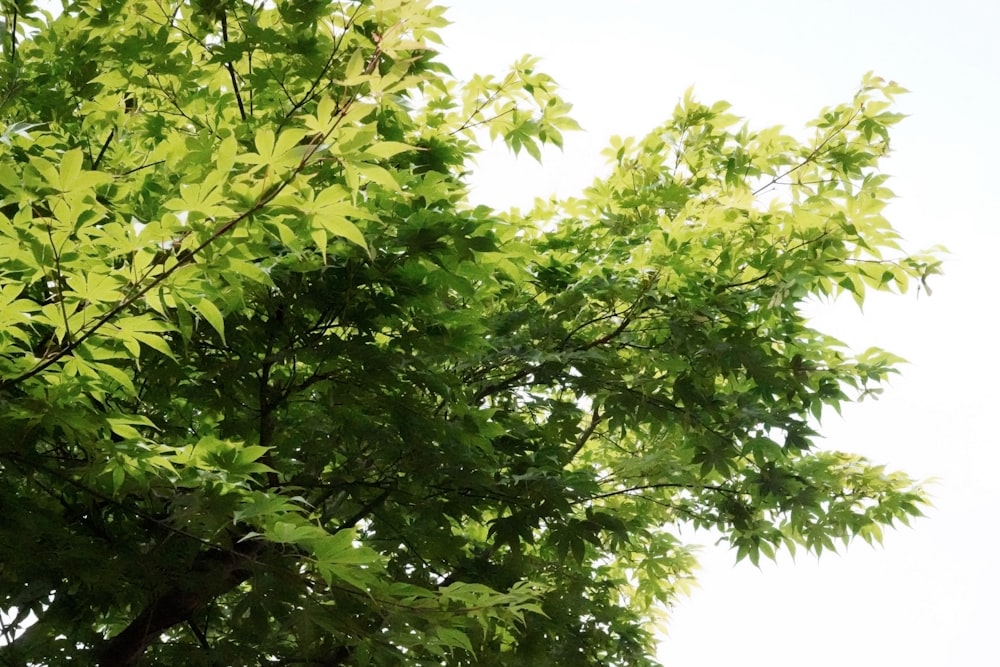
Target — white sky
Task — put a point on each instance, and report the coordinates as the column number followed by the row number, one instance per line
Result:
column 927, row 597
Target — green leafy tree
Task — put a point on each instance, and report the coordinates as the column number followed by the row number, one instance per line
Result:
column 272, row 392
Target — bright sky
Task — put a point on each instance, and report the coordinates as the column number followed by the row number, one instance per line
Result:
column 927, row 597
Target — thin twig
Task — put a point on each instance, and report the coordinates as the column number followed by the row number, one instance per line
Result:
column 509, row 79
column 58, row 281
column 811, row 157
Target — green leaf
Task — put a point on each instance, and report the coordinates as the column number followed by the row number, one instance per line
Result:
column 454, row 638
column 387, row 149
column 212, row 315
column 345, row 228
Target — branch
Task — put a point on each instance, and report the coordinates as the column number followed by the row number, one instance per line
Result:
column 202, row 639
column 662, row 485
column 594, row 320
column 610, row 336
column 314, row 88
column 634, row 309
column 509, row 79
column 365, row 510
column 141, row 167
column 806, row 242
column 469, row 125
column 232, row 70
column 744, row 283
column 104, row 148
column 58, row 281
column 627, row 318
column 215, row 573
column 809, row 158
column 595, row 419
column 491, row 389
column 13, row 36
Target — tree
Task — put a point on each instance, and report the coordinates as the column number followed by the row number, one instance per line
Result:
column 272, row 392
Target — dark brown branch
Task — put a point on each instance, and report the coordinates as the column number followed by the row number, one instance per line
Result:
column 141, row 167
column 581, row 440
column 232, row 70
column 104, row 149
column 214, row 573
column 806, row 242
column 663, row 485
column 594, row 320
column 608, row 337
column 365, row 510
column 512, row 381
column 744, row 283
column 202, row 638
column 627, row 318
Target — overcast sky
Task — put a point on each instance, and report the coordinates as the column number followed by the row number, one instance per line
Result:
column 929, row 596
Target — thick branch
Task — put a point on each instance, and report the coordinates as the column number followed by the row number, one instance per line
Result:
column 512, row 381
column 365, row 510
column 214, row 573
column 581, row 440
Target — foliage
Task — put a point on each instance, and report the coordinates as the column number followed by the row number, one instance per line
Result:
column 272, row 392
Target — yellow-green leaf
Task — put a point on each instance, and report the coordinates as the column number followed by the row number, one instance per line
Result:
column 212, row 315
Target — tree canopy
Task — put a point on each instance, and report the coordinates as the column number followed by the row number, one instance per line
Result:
column 272, row 392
